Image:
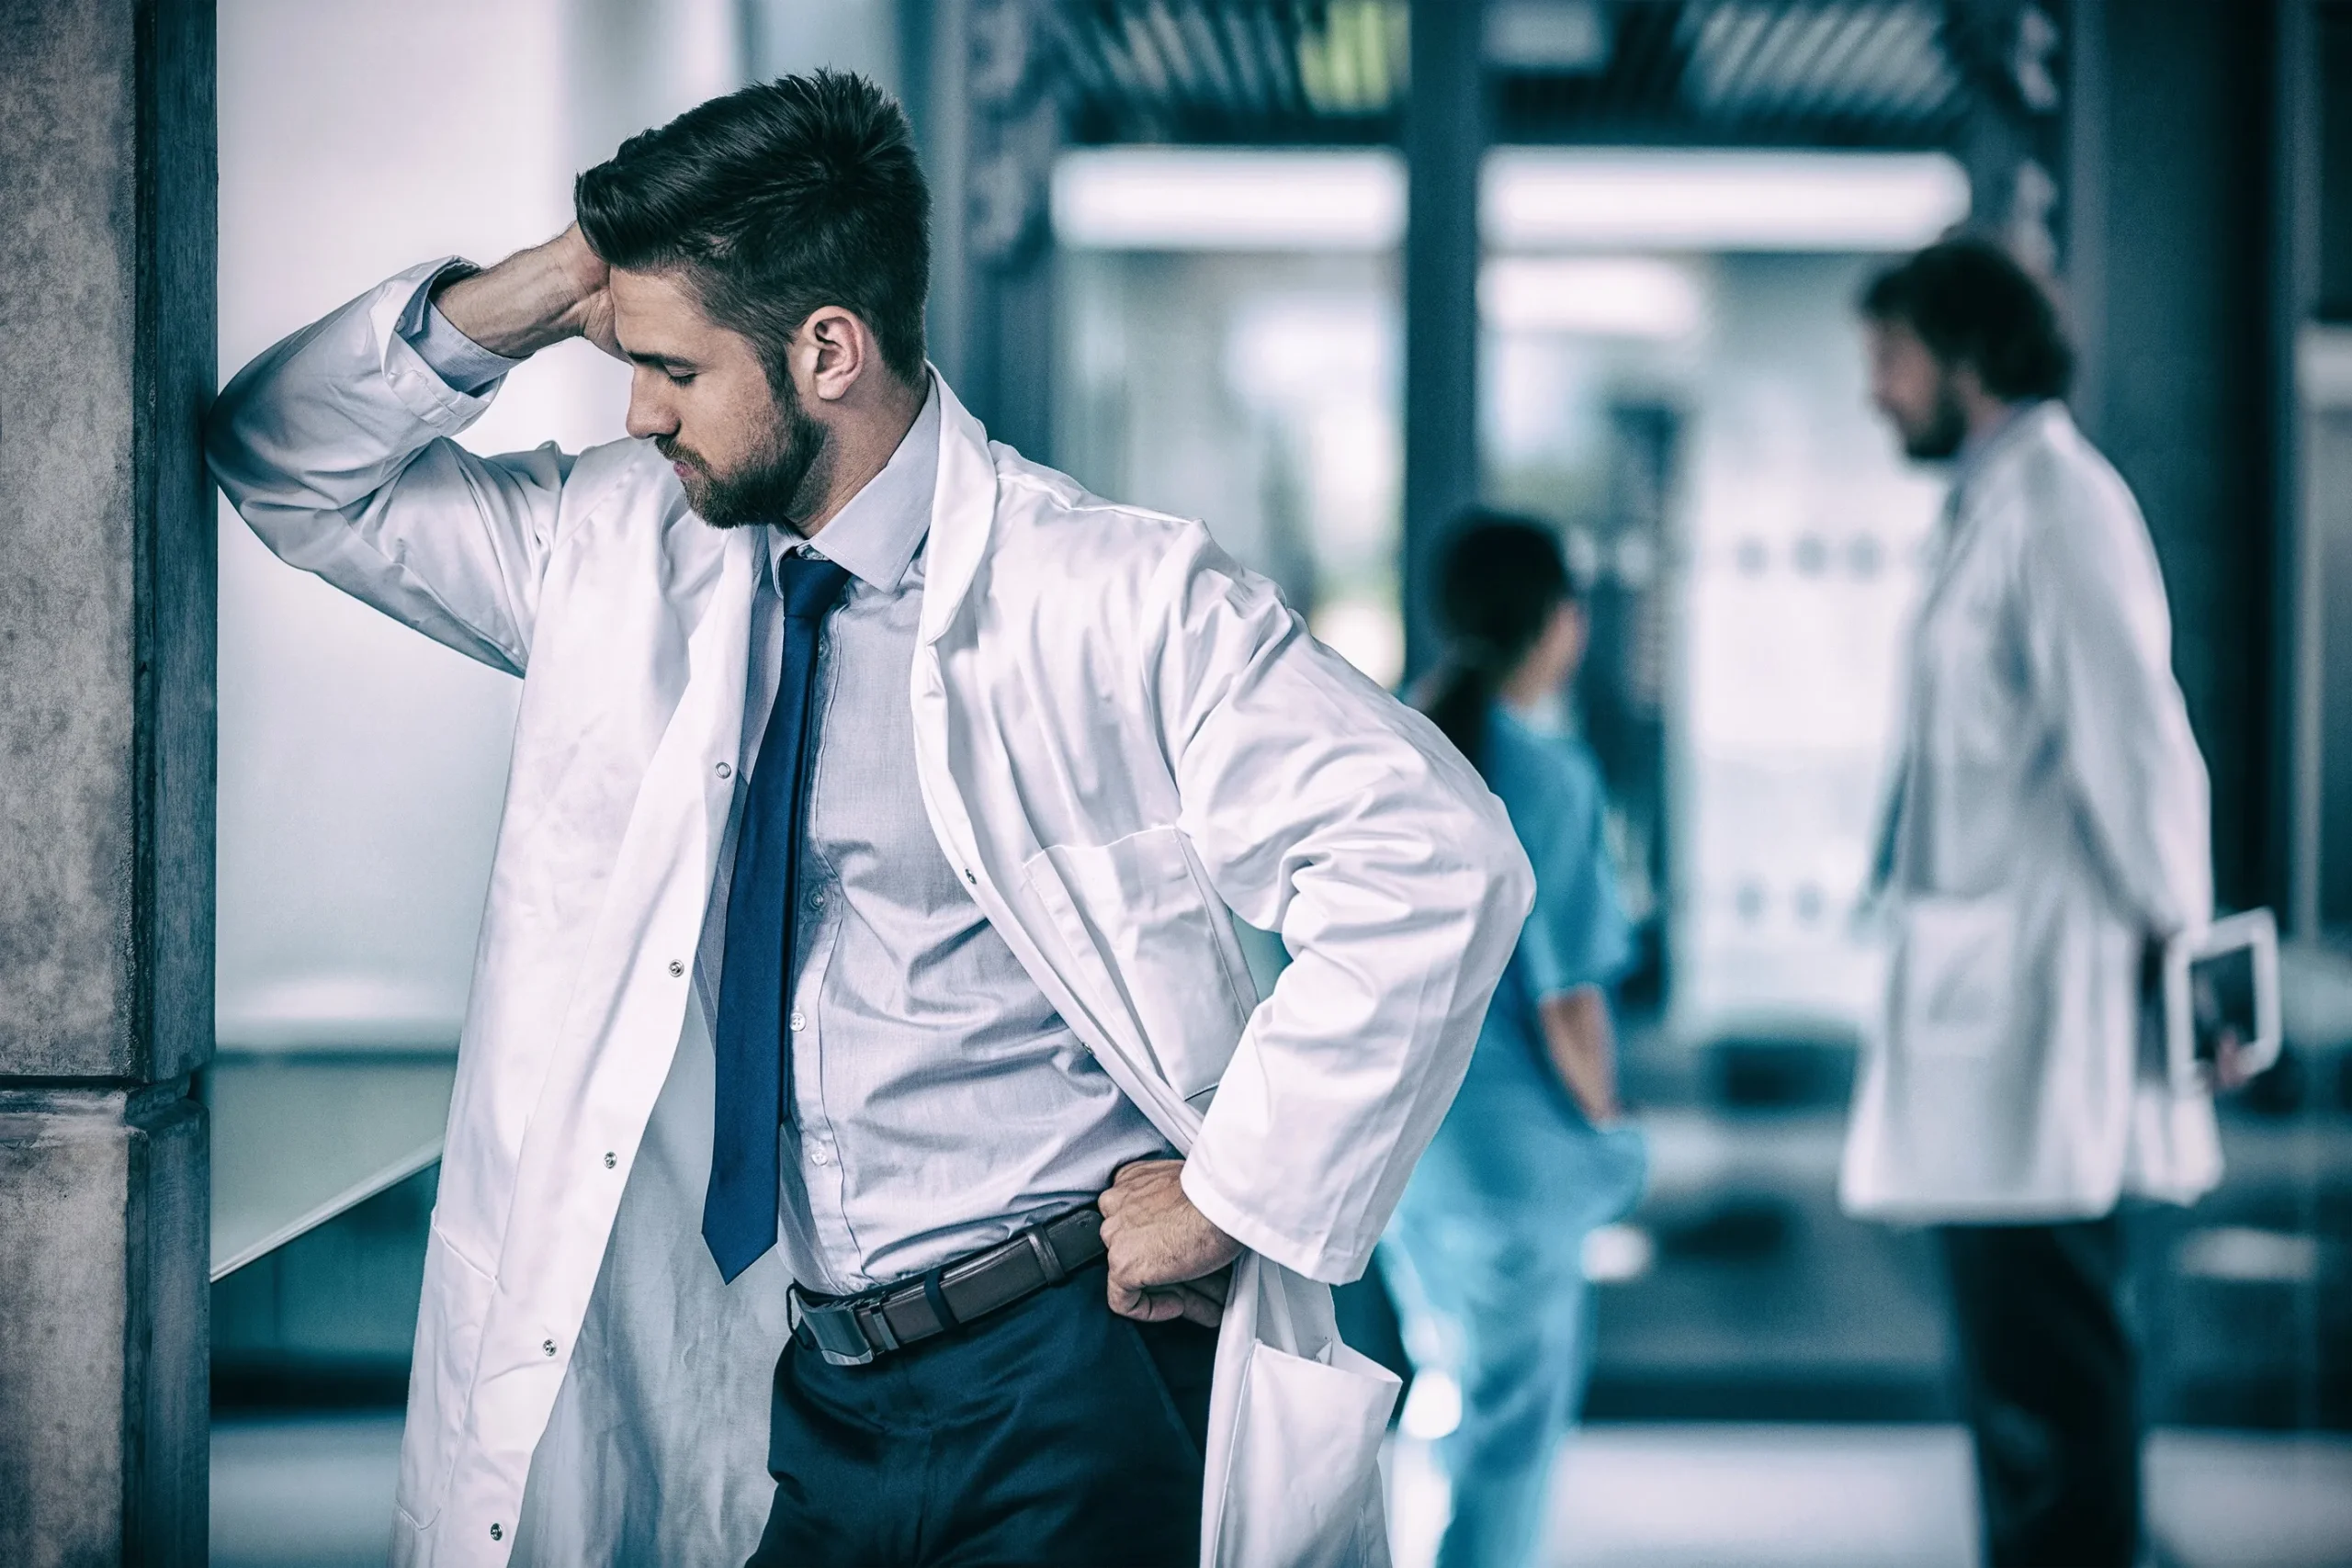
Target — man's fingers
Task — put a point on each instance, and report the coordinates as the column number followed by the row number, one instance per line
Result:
column 1207, row 1313
column 1163, row 1303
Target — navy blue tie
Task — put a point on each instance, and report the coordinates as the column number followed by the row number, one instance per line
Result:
column 754, row 1049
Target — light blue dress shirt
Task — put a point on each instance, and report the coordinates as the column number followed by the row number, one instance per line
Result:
column 939, row 1101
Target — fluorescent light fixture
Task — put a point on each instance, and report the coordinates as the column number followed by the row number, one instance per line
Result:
column 1201, row 199
column 1562, row 36
column 1536, row 198
column 1531, row 199
column 1626, row 297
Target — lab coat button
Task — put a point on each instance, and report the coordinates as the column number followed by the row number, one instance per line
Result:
column 549, row 1346
column 611, row 1159
column 676, row 968
column 725, row 771
column 970, row 878
column 497, row 1534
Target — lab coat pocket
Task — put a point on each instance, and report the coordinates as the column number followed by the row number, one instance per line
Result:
column 455, row 1304
column 1142, row 911
column 1955, row 976
column 1303, row 1490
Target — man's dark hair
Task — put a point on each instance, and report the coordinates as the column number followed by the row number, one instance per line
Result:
column 1971, row 304
column 775, row 200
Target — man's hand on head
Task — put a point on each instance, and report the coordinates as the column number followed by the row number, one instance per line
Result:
column 535, row 298
column 1166, row 1260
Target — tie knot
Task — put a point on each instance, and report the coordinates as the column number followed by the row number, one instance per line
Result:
column 808, row 585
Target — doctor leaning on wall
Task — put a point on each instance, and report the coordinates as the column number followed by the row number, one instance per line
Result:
column 2047, row 831
column 864, row 1111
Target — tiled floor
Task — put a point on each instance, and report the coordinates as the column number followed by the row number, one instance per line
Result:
column 317, row 1491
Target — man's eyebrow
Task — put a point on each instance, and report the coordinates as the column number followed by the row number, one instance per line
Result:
column 660, row 361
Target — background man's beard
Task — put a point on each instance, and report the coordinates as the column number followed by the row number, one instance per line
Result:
column 1942, row 433
column 768, row 488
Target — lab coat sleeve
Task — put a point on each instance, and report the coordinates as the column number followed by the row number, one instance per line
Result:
column 335, row 446
column 1322, row 809
column 2098, row 649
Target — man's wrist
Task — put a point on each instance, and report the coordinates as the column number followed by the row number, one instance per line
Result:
column 524, row 304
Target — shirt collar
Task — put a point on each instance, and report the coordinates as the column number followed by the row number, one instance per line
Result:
column 877, row 536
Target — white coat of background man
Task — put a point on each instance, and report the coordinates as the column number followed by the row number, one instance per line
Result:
column 2047, row 832
column 857, row 977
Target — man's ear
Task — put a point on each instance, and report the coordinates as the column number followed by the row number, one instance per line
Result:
column 837, row 349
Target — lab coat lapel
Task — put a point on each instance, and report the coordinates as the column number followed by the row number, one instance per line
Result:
column 1295, row 1417
column 974, row 777
column 680, row 817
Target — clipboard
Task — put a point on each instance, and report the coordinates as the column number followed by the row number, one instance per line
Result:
column 2221, row 981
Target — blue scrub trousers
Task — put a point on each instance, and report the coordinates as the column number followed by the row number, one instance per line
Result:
column 1486, row 1252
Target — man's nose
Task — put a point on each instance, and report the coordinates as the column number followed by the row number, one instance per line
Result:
column 649, row 413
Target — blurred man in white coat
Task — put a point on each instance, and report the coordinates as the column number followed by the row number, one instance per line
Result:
column 863, row 1116
column 2047, row 832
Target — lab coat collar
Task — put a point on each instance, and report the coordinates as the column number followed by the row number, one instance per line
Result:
column 1978, row 452
column 962, row 513
column 2027, row 421
column 877, row 536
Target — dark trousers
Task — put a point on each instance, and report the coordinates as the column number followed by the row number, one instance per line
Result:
column 1052, row 1432
column 2049, row 1381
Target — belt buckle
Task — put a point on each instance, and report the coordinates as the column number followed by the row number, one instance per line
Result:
column 838, row 1338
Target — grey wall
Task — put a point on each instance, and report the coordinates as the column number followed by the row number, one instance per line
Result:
column 105, row 775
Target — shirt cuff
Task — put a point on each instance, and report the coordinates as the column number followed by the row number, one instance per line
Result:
column 459, row 360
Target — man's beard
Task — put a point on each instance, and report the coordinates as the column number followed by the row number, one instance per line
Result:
column 1939, row 437
column 768, row 488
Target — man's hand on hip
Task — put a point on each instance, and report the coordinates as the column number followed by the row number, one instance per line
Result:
column 533, row 299
column 1166, row 1260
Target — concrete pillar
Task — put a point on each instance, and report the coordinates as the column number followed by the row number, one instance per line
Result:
column 106, row 618
column 1446, row 140
column 2168, row 271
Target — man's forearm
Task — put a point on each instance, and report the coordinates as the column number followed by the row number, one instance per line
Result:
column 531, row 299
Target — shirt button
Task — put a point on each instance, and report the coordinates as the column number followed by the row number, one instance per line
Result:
column 799, row 1021
column 724, row 771
column 676, row 968
column 816, row 900
column 818, row 1155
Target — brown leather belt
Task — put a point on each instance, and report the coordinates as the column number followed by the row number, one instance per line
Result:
column 850, row 1331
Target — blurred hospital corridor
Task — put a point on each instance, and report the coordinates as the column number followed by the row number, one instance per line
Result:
column 1683, row 673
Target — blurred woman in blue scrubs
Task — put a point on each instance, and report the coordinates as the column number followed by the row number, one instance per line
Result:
column 1486, row 1252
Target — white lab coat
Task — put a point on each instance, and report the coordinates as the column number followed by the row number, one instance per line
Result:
column 1120, row 735
column 2049, row 814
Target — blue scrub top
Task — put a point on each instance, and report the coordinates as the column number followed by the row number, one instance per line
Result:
column 1577, row 934
column 1515, row 1141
